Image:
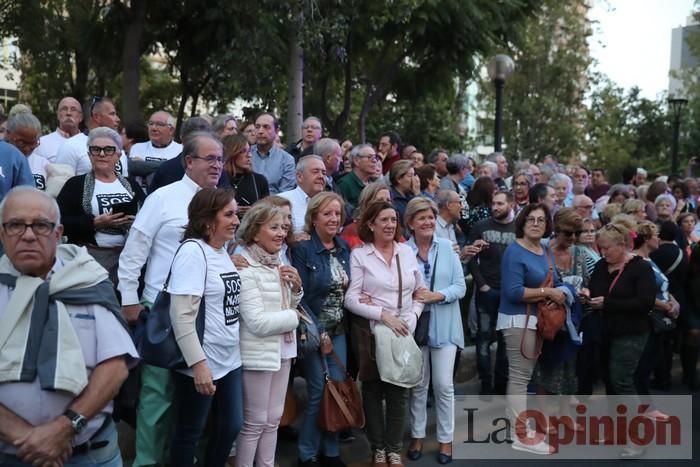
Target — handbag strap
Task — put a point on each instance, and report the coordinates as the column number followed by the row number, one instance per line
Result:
column 399, row 303
column 337, row 361
column 341, row 404
column 619, row 273
column 170, row 271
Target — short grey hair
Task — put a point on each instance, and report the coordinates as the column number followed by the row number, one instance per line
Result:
column 356, row 151
column 456, row 163
column 666, row 197
column 170, row 119
column 326, row 146
column 301, row 165
column 558, row 178
column 493, row 157
column 104, row 132
column 23, row 120
column 444, row 197
column 191, row 144
column 220, row 122
column 24, row 189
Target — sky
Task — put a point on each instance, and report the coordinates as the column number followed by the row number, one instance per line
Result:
column 632, row 40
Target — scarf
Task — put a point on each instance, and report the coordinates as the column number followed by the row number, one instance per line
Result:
column 89, row 190
column 36, row 333
column 259, row 254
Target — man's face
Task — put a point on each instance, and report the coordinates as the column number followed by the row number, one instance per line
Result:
column 30, row 253
column 311, row 131
column 551, row 199
column 366, row 161
column 69, row 114
column 584, row 207
column 639, row 179
column 500, row 207
column 385, row 147
column 441, row 164
column 313, row 178
column 580, row 178
column 230, row 128
column 332, row 161
column 24, row 139
column 265, row 132
column 597, row 178
column 502, row 164
column 205, row 168
column 106, row 115
column 160, row 131
column 454, row 207
column 535, row 172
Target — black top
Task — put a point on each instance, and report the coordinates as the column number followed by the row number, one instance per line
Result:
column 665, row 257
column 77, row 224
column 486, row 266
column 249, row 188
column 627, row 306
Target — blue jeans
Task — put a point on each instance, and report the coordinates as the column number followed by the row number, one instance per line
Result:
column 192, row 411
column 487, row 304
column 107, row 456
column 310, row 436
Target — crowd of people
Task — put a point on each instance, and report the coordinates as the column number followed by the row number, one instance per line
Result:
column 252, row 239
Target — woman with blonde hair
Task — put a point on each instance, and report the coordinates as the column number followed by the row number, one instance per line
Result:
column 636, row 208
column 270, row 292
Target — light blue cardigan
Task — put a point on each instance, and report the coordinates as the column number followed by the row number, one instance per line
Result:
column 445, row 318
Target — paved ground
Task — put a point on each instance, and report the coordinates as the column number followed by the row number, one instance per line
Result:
column 357, row 453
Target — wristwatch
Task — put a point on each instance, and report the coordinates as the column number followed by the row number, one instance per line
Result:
column 76, row 420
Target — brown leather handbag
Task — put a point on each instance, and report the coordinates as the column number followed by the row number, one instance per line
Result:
column 341, row 405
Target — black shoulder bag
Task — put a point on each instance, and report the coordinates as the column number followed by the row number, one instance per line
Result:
column 423, row 325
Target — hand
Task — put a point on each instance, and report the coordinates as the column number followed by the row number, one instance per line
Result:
column 202, row 378
column 301, row 236
column 395, row 323
column 596, row 302
column 109, row 220
column 484, row 288
column 481, row 244
column 427, row 297
column 47, row 444
column 469, row 251
column 455, row 247
column 365, row 299
column 555, row 295
column 239, row 261
column 131, row 313
column 290, row 275
column 326, row 344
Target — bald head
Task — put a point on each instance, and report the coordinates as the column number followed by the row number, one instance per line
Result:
column 583, row 205
column 69, row 115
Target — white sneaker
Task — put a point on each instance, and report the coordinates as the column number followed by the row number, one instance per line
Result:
column 541, row 448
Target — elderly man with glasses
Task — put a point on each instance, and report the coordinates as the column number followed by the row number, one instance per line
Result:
column 364, row 159
column 145, row 158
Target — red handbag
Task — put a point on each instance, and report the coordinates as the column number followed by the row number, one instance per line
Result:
column 341, row 405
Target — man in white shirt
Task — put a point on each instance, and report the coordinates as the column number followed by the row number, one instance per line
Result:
column 153, row 239
column 69, row 115
column 74, row 151
column 311, row 180
column 23, row 130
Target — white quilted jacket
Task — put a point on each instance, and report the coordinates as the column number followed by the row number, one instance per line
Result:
column 263, row 321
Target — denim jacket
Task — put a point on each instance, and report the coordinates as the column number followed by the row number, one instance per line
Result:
column 312, row 260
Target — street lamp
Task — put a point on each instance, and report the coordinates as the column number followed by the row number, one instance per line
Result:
column 676, row 106
column 499, row 69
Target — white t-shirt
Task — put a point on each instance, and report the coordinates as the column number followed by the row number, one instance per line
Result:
column 74, row 152
column 221, row 342
column 104, row 196
column 37, row 165
column 49, row 145
column 147, row 152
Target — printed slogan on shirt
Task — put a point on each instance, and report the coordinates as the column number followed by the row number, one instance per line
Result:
column 232, row 288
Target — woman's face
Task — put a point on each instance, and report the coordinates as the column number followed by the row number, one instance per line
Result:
column 287, row 219
column 535, row 225
column 640, row 214
column 613, row 252
column 434, row 184
column 102, row 163
column 327, row 219
column 225, row 223
column 520, row 188
column 382, row 195
column 618, row 198
column 384, row 225
column 561, row 190
column 678, row 193
column 405, row 182
column 423, row 224
column 653, row 242
column 271, row 235
column 688, row 224
column 566, row 237
column 664, row 209
column 587, row 235
column 243, row 161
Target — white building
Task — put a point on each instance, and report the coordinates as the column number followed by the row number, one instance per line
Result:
column 682, row 57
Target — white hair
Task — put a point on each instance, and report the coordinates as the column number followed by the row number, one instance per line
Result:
column 23, row 189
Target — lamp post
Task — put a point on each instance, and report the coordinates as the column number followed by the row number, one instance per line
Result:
column 499, row 69
column 676, row 105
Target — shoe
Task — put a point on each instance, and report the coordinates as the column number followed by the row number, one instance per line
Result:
column 311, row 462
column 443, row 457
column 632, row 452
column 346, row 436
column 415, row 449
column 332, row 461
column 394, row 459
column 379, row 458
column 541, row 448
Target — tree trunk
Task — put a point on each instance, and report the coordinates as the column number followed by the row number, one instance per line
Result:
column 181, row 111
column 295, row 102
column 131, row 58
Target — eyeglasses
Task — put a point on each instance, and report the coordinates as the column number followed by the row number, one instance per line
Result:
column 535, row 220
column 211, row 160
column 16, row 228
column 159, row 124
column 372, row 157
column 97, row 150
column 27, row 143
